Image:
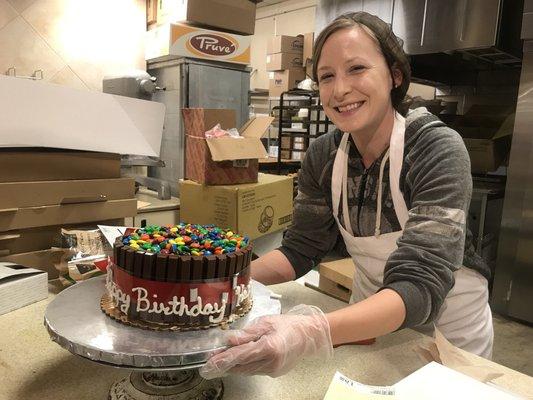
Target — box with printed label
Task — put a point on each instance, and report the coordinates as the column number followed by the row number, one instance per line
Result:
column 285, row 44
column 336, row 277
column 280, row 61
column 20, row 286
column 215, row 14
column 308, row 42
column 190, row 41
column 224, row 160
column 250, row 209
column 285, row 80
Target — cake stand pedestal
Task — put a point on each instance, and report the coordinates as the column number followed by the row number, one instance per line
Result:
column 164, row 364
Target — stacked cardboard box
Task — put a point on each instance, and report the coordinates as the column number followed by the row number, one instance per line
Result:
column 222, row 183
column 288, row 61
column 43, row 190
column 284, row 61
column 206, row 29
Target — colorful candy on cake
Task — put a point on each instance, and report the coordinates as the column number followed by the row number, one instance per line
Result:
column 181, row 277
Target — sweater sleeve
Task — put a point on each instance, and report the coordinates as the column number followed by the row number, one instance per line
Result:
column 431, row 248
column 314, row 231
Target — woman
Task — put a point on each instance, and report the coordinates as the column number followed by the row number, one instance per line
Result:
column 398, row 190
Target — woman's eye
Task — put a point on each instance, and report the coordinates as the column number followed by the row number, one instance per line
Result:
column 357, row 68
column 325, row 76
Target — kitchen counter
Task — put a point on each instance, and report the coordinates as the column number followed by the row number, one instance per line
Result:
column 33, row 367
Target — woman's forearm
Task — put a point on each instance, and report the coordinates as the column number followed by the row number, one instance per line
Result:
column 272, row 268
column 381, row 313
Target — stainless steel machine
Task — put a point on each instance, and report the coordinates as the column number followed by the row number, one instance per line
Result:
column 513, row 280
column 194, row 83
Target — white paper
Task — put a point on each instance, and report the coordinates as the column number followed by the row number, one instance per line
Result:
column 6, row 271
column 111, row 233
column 437, row 382
column 343, row 388
column 40, row 114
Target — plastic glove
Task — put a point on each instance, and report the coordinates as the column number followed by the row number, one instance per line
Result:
column 272, row 345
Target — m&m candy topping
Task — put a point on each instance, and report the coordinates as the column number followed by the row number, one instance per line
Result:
column 185, row 239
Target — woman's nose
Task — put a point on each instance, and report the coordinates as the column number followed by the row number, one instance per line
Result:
column 341, row 88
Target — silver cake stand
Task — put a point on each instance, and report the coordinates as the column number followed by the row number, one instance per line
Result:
column 164, row 364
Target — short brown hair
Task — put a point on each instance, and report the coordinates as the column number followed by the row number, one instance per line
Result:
column 391, row 47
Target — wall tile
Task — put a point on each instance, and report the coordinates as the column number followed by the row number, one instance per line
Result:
column 95, row 38
column 22, row 48
column 21, row 5
column 67, row 77
column 7, row 13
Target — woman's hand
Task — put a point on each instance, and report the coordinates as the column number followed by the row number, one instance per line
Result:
column 272, row 345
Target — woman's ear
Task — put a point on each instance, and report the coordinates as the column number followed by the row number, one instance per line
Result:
column 397, row 76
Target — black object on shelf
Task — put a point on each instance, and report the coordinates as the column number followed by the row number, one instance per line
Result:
column 315, row 124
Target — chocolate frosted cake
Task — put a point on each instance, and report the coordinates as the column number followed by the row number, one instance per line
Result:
column 179, row 277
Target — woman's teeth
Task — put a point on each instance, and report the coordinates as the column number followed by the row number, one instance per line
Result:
column 349, row 107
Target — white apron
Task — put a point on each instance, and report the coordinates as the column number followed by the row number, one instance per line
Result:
column 465, row 318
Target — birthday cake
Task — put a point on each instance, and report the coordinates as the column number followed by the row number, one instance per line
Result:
column 182, row 277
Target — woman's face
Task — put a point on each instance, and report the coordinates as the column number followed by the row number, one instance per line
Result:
column 354, row 81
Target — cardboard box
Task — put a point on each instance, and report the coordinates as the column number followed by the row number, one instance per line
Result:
column 183, row 40
column 487, row 134
column 20, row 286
column 32, row 194
column 41, row 238
column 336, row 277
column 23, row 165
column 250, row 209
column 308, row 43
column 281, row 61
column 58, row 214
column 285, row 80
column 236, row 16
column 43, row 260
column 225, row 160
column 285, row 44
column 41, row 114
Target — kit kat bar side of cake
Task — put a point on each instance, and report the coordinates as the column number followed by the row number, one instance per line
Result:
column 116, row 252
column 129, row 258
column 184, row 276
column 222, row 271
column 209, row 271
column 172, row 277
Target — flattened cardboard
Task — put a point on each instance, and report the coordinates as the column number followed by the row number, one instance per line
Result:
column 250, row 209
column 41, row 114
column 285, row 44
column 41, row 164
column 32, row 194
column 44, row 260
column 29, row 217
column 41, row 238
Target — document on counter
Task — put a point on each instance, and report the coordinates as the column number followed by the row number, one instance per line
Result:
column 343, row 388
column 433, row 381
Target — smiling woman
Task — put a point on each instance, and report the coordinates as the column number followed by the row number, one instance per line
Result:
column 395, row 186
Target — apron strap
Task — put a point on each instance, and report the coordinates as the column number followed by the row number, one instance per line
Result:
column 396, row 161
column 377, row 230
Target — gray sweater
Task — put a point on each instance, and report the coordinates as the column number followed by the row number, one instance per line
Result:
column 436, row 184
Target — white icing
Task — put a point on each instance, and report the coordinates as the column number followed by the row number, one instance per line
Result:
column 177, row 307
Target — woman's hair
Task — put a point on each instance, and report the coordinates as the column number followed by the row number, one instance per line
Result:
column 390, row 45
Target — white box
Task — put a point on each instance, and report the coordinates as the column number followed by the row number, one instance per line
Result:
column 190, row 41
column 20, row 286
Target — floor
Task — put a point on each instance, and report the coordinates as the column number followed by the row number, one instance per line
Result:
column 513, row 341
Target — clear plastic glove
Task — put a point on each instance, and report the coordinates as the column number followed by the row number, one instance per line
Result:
column 272, row 345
